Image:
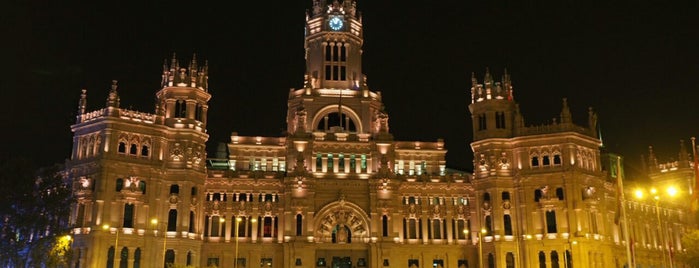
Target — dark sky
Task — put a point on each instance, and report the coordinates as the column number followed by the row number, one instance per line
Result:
column 635, row 63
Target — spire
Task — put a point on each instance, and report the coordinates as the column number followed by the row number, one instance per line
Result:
column 507, row 85
column 113, row 99
column 566, row 117
column 83, row 102
column 592, row 120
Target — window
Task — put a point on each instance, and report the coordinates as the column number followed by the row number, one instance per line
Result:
column 557, row 159
column 438, row 263
column 535, row 161
column 191, row 222
column 491, row 260
column 363, row 163
column 384, row 226
column 110, row 257
column 463, row 263
column 122, row 147
column 172, row 220
column 124, row 258
column 505, row 195
column 546, row 160
column 554, row 259
column 510, row 260
column 133, row 149
column 460, row 229
column 500, row 120
column 542, row 259
column 330, row 162
column 551, row 222
column 137, row 258
column 481, row 122
column 507, row 220
column 299, row 225
column 119, row 184
column 144, row 150
column 559, row 193
column 569, row 259
column 142, row 186
column 189, row 258
column 410, row 228
column 319, row 162
column 215, row 226
column 267, row 227
column 413, row 263
column 488, row 225
column 486, row 197
column 212, row 262
column 181, row 109
column 353, row 163
column 174, row 189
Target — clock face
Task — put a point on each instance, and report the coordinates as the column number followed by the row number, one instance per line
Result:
column 335, row 23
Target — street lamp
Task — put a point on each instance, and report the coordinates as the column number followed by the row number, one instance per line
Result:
column 480, row 245
column 154, row 222
column 671, row 191
column 237, row 222
column 106, row 227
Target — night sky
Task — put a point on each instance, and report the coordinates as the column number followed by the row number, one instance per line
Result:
column 635, row 63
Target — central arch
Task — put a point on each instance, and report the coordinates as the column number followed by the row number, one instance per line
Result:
column 342, row 222
column 335, row 108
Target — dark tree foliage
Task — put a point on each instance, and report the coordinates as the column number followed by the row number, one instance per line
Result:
column 34, row 209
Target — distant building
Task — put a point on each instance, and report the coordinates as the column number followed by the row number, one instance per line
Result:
column 338, row 190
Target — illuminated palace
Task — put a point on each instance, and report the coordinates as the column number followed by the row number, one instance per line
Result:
column 337, row 190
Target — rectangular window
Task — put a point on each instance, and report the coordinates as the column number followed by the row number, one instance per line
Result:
column 363, row 164
column 212, row 262
column 411, row 171
column 275, row 164
column 412, row 229
column 353, row 163
column 551, row 222
column 330, row 162
column 319, row 162
column 263, row 165
column 327, row 72
column 481, row 122
column 343, row 73
column 335, row 73
column 128, row 215
column 399, row 167
column 341, row 162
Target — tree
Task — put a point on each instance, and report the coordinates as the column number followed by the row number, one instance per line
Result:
column 690, row 242
column 34, row 212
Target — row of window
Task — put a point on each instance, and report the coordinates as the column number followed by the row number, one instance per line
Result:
column 499, row 121
column 123, row 259
column 263, row 164
column 413, row 169
column 238, row 197
column 215, row 226
column 410, row 200
column 134, row 149
column 330, row 162
column 335, row 61
column 546, row 160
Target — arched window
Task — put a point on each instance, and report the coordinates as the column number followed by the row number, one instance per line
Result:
column 137, row 258
column 133, row 149
column 189, row 258
column 332, row 120
column 172, row 221
column 542, row 259
column 569, row 259
column 510, row 260
column 124, row 258
column 535, row 161
column 554, row 259
column 169, row 257
column 144, row 150
column 122, row 147
column 546, row 160
column 110, row 257
column 557, row 159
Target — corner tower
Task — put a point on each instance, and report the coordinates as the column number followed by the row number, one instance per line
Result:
column 493, row 109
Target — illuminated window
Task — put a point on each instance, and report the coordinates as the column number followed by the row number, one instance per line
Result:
column 263, row 165
column 275, row 164
column 319, row 162
column 353, row 163
column 411, row 165
column 330, row 162
column 363, row 163
column 399, row 167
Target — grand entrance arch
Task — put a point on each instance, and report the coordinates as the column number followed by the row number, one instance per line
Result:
column 344, row 226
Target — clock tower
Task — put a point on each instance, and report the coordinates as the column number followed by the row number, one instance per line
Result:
column 334, row 45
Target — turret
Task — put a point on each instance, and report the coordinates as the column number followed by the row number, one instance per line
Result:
column 82, row 105
column 183, row 100
column 493, row 110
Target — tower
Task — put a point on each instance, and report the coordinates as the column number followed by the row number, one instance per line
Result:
column 137, row 175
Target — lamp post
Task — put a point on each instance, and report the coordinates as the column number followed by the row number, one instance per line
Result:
column 671, row 191
column 480, row 245
column 237, row 222
column 154, row 222
column 106, row 227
